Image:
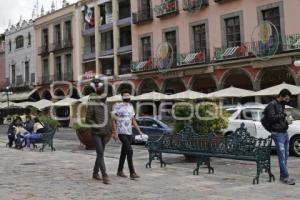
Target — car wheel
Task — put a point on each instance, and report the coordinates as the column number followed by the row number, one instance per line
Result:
column 295, row 146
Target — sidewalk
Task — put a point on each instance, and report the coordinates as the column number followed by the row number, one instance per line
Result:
column 66, row 174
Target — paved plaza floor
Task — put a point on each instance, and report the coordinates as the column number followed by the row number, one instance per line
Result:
column 66, row 174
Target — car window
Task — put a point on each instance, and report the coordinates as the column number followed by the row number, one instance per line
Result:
column 251, row 114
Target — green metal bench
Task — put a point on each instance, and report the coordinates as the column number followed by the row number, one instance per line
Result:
column 239, row 145
column 47, row 139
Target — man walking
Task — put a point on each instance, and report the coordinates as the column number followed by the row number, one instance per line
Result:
column 123, row 119
column 278, row 126
column 98, row 117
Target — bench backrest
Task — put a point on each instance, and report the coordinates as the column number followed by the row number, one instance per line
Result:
column 238, row 143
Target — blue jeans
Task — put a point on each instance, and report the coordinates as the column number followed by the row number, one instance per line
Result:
column 282, row 147
column 30, row 137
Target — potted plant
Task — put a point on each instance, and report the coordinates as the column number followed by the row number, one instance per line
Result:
column 207, row 118
column 84, row 135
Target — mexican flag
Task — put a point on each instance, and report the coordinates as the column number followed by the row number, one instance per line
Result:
column 89, row 15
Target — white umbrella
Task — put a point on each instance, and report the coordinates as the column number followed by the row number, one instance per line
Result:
column 188, row 94
column 43, row 103
column 115, row 98
column 274, row 90
column 151, row 96
column 230, row 92
column 66, row 102
column 4, row 104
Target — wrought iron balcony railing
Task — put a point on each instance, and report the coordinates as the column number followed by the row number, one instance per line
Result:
column 142, row 16
column 166, row 8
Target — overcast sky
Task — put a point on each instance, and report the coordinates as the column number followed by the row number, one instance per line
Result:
column 13, row 9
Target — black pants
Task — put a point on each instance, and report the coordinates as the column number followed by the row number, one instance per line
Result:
column 100, row 142
column 126, row 151
column 11, row 139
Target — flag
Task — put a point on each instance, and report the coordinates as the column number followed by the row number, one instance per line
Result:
column 89, row 15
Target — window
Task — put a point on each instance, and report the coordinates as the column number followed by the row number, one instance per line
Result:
column 13, row 74
column 146, row 48
column 233, row 31
column 58, row 68
column 19, row 42
column 124, row 9
column 69, row 74
column 9, row 45
column 68, row 31
column 125, row 63
column 45, row 76
column 199, row 32
column 272, row 15
column 29, row 38
column 45, row 38
column 57, row 36
column 92, row 43
column 106, row 13
column 172, row 41
column 125, row 36
column 107, row 67
column 107, row 40
column 27, row 72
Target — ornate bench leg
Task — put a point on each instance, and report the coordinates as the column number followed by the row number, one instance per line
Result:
column 162, row 163
column 211, row 170
column 256, row 178
column 206, row 161
column 151, row 157
column 271, row 176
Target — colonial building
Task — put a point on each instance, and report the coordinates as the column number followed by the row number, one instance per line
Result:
column 206, row 45
column 57, row 63
column 105, row 40
column 19, row 58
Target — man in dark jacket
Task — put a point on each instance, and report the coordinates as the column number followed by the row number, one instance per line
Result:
column 277, row 117
column 98, row 116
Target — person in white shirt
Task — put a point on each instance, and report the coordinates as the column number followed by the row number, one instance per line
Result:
column 123, row 117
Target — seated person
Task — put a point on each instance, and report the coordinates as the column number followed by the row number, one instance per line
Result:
column 38, row 129
column 29, row 123
column 21, row 132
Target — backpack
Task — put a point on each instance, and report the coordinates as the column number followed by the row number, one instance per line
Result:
column 266, row 123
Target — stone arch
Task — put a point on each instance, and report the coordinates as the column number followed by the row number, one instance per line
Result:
column 238, row 78
column 147, row 85
column 205, row 83
column 173, row 85
column 128, row 86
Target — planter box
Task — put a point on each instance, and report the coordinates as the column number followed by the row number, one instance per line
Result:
column 85, row 137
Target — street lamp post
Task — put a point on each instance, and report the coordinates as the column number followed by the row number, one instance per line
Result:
column 7, row 92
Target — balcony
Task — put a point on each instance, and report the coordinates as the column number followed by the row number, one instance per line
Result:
column 192, row 58
column 168, row 7
column 124, row 22
column 67, row 43
column 291, row 42
column 125, row 49
column 108, row 52
column 56, row 46
column 142, row 16
column 43, row 50
column 194, row 5
column 88, row 32
column 89, row 56
column 106, row 27
column 141, row 66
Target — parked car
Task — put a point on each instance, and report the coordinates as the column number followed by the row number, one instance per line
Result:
column 152, row 127
column 251, row 115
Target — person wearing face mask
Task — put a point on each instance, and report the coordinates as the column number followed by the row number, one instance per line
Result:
column 99, row 118
column 123, row 119
column 278, row 126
